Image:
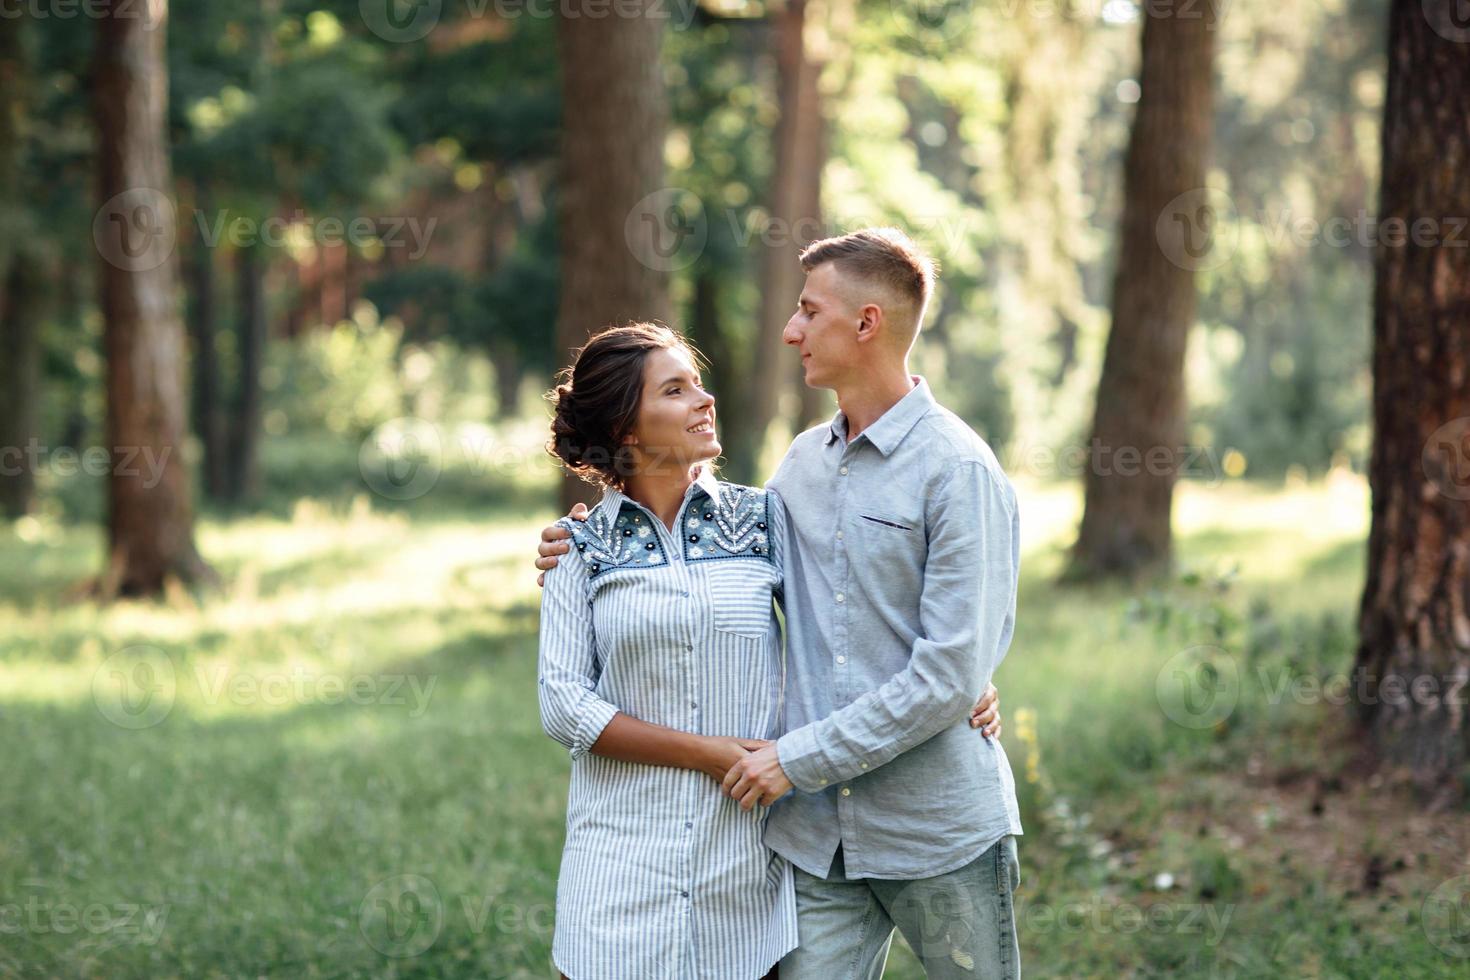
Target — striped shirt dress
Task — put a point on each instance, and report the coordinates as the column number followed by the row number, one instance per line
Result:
column 662, row 875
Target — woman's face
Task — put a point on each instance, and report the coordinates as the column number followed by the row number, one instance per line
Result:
column 676, row 417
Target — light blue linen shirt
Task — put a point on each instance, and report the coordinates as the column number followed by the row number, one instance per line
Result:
column 900, row 599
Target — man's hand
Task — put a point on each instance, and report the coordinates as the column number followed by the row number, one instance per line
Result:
column 757, row 778
column 721, row 752
column 555, row 541
column 986, row 713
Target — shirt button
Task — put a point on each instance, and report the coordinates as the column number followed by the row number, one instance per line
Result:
column 693, row 704
column 842, row 660
column 841, row 597
column 843, row 471
column 684, row 894
column 862, row 765
column 839, row 535
column 846, row 791
column 688, row 824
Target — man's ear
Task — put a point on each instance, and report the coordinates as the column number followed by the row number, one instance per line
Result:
column 870, row 319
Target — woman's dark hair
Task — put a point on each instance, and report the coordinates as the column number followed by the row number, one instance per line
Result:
column 597, row 400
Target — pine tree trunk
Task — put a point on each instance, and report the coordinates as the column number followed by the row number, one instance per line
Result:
column 21, row 288
column 507, row 364
column 208, row 414
column 615, row 116
column 1139, row 422
column 245, row 444
column 724, row 377
column 796, row 220
column 150, row 511
column 1414, row 654
column 21, row 307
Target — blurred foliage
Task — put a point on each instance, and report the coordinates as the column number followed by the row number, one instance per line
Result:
column 993, row 132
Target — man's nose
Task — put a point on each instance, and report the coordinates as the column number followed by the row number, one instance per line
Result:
column 789, row 333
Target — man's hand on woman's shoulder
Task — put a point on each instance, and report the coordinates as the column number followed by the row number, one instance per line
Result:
column 556, row 541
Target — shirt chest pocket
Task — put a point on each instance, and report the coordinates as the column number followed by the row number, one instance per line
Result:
column 888, row 539
column 740, row 590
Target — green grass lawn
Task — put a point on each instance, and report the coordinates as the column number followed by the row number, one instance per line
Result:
column 335, row 767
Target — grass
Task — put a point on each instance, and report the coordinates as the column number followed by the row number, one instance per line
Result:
column 334, row 768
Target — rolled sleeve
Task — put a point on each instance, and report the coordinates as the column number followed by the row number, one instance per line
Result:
column 967, row 612
column 568, row 666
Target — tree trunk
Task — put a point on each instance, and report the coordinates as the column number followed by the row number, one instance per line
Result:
column 724, row 377
column 209, row 417
column 150, row 512
column 21, row 307
column 1139, row 422
column 800, row 153
column 21, row 289
column 245, row 441
column 507, row 365
column 1414, row 624
column 615, row 115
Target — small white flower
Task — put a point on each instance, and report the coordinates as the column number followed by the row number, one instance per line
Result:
column 655, row 558
column 695, row 552
column 1163, row 881
column 693, row 522
column 644, row 532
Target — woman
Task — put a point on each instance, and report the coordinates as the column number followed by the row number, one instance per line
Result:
column 660, row 667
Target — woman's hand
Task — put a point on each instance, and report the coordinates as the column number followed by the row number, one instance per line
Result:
column 722, row 752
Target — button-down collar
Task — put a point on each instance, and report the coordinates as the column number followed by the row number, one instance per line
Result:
column 886, row 433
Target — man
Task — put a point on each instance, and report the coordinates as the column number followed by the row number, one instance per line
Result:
column 900, row 591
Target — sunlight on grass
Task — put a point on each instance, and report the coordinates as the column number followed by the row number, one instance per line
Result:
column 358, row 705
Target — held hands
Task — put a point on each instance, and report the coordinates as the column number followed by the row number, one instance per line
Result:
column 757, row 778
column 722, row 752
column 556, row 541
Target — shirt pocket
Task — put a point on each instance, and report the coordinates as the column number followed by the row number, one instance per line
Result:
column 740, row 590
column 890, row 542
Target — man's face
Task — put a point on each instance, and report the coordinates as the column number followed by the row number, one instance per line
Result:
column 824, row 328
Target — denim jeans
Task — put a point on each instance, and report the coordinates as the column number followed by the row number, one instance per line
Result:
column 960, row 924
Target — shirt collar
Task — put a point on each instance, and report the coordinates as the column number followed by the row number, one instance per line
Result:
column 886, row 433
column 704, row 479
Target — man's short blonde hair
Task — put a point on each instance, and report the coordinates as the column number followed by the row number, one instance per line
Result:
column 884, row 255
